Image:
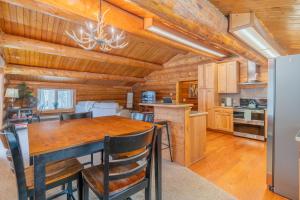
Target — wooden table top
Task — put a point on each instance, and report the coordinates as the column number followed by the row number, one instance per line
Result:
column 51, row 136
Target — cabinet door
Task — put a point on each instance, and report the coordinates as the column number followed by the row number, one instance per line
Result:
column 210, row 75
column 223, row 121
column 211, row 119
column 202, row 100
column 232, row 72
column 222, row 78
column 210, row 99
column 201, row 76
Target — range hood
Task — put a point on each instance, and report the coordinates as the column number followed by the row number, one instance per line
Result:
column 253, row 72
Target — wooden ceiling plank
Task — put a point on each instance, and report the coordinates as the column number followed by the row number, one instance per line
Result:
column 81, row 11
column 202, row 19
column 38, row 71
column 16, row 42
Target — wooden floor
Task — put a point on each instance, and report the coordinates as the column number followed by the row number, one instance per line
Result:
column 237, row 165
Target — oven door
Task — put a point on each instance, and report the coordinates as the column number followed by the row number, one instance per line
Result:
column 250, row 129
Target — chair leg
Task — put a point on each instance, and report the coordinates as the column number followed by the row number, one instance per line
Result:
column 80, row 187
column 102, row 157
column 148, row 193
column 70, row 191
column 92, row 159
column 85, row 191
column 169, row 141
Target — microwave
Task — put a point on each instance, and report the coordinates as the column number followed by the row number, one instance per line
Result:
column 148, row 97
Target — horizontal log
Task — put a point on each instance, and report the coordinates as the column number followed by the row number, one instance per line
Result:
column 37, row 71
column 80, row 87
column 16, row 42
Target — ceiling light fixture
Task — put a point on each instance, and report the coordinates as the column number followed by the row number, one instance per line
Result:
column 167, row 33
column 102, row 35
column 248, row 28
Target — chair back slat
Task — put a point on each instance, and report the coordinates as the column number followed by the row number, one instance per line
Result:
column 18, row 165
column 67, row 116
column 124, row 144
column 126, row 174
column 130, row 160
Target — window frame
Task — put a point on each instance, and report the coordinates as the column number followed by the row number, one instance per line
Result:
column 59, row 110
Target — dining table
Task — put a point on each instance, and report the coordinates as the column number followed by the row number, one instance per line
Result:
column 51, row 141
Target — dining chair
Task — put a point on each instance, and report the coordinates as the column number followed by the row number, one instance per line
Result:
column 70, row 116
column 57, row 173
column 66, row 116
column 149, row 117
column 122, row 177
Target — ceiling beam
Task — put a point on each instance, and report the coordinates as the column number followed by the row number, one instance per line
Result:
column 16, row 42
column 201, row 19
column 45, row 84
column 38, row 71
column 81, row 11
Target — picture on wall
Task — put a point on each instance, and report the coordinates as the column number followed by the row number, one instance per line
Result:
column 193, row 90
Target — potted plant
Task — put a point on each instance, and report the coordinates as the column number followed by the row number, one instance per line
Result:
column 26, row 97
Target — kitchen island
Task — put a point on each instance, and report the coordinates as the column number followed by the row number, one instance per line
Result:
column 188, row 131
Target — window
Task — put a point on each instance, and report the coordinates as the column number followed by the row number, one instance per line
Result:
column 55, row 99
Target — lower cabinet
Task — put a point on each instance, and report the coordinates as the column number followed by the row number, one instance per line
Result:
column 222, row 119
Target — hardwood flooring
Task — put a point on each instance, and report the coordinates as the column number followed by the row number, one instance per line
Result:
column 238, row 165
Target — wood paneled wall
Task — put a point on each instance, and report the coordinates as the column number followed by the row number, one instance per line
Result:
column 83, row 92
column 164, row 81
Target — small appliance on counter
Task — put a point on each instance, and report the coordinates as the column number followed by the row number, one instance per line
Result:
column 148, row 97
column 249, row 119
column 229, row 102
column 167, row 100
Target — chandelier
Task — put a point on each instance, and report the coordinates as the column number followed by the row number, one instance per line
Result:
column 101, row 35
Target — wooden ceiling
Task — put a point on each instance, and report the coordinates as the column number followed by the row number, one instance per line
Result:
column 32, row 35
column 26, row 23
column 280, row 17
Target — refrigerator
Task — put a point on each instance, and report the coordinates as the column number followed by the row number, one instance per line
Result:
column 283, row 125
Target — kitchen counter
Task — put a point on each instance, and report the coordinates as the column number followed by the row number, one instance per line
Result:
column 187, row 131
column 167, row 105
column 196, row 113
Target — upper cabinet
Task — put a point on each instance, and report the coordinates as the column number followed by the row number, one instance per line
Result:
column 228, row 77
column 207, row 76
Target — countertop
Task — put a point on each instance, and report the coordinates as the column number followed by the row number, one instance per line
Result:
column 196, row 113
column 168, row 105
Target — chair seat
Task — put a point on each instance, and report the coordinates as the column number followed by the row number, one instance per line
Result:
column 55, row 172
column 94, row 176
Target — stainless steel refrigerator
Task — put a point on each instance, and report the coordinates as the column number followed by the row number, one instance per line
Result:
column 283, row 125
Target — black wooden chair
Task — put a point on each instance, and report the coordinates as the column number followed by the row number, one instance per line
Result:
column 57, row 173
column 67, row 116
column 122, row 177
column 149, row 117
column 70, row 116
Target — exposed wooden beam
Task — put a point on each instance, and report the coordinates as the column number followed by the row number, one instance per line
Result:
column 37, row 71
column 16, row 42
column 64, row 85
column 201, row 19
column 82, row 11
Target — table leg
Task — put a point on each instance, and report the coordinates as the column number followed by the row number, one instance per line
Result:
column 158, row 169
column 39, row 178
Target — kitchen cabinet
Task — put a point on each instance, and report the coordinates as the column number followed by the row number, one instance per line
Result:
column 228, row 77
column 223, row 119
column 207, row 91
